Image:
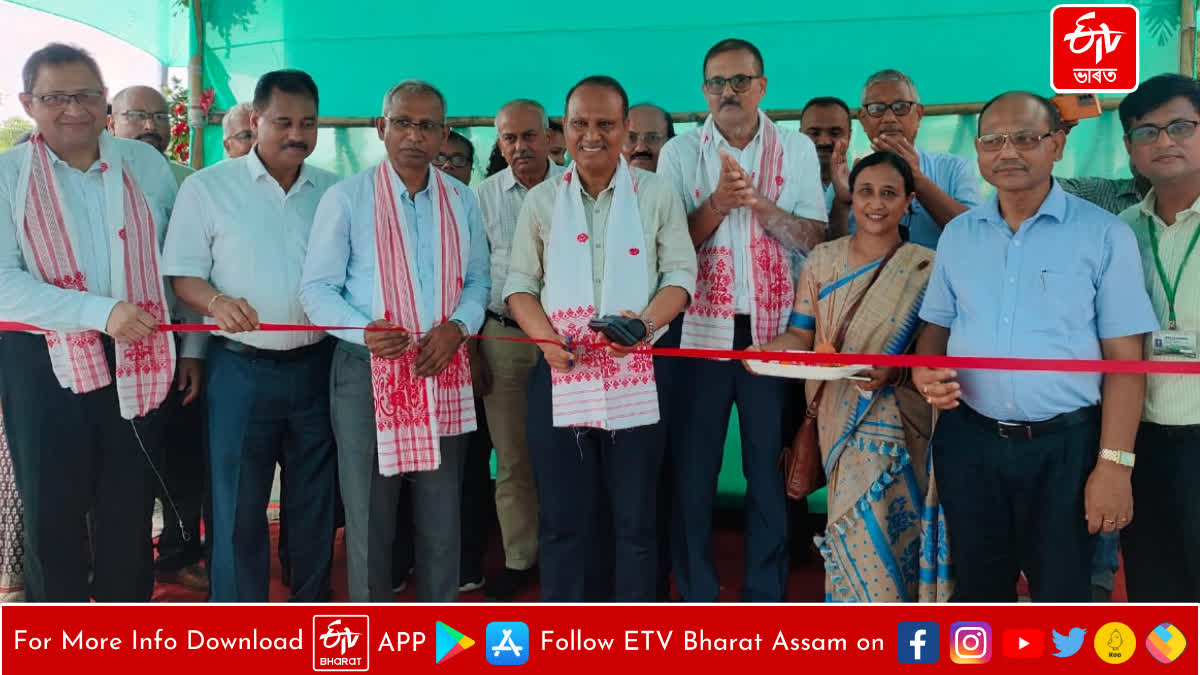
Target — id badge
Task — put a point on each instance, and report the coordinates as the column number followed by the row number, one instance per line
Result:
column 1173, row 343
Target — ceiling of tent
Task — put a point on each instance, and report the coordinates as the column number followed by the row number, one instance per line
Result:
column 159, row 27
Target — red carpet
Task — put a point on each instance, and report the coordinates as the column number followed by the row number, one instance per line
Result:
column 806, row 583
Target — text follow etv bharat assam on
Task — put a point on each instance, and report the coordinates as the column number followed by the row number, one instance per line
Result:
column 577, row 640
column 82, row 640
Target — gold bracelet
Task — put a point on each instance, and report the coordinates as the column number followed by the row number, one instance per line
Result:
column 213, row 301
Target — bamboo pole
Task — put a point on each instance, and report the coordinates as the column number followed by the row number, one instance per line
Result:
column 1187, row 38
column 780, row 115
column 196, row 116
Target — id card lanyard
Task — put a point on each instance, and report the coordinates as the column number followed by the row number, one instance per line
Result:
column 1168, row 287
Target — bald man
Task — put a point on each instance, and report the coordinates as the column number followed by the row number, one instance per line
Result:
column 140, row 113
column 239, row 134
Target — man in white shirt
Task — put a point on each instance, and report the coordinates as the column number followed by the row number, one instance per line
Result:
column 235, row 251
column 521, row 127
column 76, row 436
column 752, row 191
column 399, row 249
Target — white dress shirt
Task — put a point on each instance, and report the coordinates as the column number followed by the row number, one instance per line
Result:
column 234, row 226
column 801, row 195
column 340, row 280
column 28, row 300
column 500, row 199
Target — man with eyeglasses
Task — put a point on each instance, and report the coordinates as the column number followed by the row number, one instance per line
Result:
column 140, row 113
column 400, row 249
column 1160, row 120
column 650, row 127
column 946, row 184
column 81, row 217
column 752, row 190
column 1030, row 465
column 236, row 250
column 456, row 157
column 522, row 139
column 239, row 133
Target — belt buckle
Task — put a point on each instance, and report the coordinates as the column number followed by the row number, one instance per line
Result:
column 1009, row 430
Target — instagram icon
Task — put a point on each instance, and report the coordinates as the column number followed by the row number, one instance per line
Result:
column 971, row 642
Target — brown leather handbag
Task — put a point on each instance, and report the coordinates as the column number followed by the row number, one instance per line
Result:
column 803, row 470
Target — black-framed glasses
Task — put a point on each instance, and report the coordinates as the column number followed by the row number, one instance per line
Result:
column 140, row 116
column 59, row 99
column 739, row 83
column 650, row 138
column 1021, row 140
column 1148, row 133
column 426, row 127
column 898, row 108
column 457, row 160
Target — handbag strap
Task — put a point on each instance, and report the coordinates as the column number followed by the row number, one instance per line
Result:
column 841, row 331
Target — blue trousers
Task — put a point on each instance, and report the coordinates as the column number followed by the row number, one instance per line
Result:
column 261, row 409
column 705, row 392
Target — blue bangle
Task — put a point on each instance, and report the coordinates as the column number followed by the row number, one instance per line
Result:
column 802, row 321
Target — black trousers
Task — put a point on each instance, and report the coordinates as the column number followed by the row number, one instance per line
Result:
column 478, row 504
column 1015, row 505
column 1162, row 544
column 586, row 476
column 73, row 453
column 185, row 472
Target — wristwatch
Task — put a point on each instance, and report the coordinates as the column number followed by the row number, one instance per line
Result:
column 1118, row 457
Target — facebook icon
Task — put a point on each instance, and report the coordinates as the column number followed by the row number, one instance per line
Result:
column 917, row 642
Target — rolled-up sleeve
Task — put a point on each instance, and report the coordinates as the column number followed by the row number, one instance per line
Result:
column 676, row 255
column 477, row 281
column 525, row 271
column 188, row 250
column 323, row 282
column 940, row 305
column 28, row 300
column 1122, row 305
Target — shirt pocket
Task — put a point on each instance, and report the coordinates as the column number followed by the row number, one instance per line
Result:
column 1065, row 304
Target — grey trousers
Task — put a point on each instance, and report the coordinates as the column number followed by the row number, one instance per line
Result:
column 370, row 499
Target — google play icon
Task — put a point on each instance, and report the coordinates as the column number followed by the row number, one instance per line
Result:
column 450, row 643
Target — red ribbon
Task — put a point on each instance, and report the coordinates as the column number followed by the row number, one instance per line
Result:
column 807, row 358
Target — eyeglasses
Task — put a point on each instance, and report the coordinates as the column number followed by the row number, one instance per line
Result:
column 899, row 108
column 140, row 116
column 1021, row 140
column 241, row 136
column 59, row 100
column 426, row 127
column 740, row 83
column 649, row 138
column 457, row 160
column 1148, row 133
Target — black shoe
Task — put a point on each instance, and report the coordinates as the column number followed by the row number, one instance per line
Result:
column 509, row 583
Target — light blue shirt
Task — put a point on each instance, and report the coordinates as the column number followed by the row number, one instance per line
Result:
column 1070, row 277
column 338, row 284
column 954, row 175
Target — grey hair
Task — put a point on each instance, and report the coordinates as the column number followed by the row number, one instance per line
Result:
column 890, row 75
column 227, row 120
column 524, row 103
column 414, row 87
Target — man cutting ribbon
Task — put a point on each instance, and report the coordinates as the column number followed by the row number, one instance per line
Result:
column 602, row 240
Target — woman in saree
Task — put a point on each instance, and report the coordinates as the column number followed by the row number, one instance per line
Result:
column 884, row 540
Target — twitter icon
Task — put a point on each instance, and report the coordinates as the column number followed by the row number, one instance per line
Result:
column 1069, row 644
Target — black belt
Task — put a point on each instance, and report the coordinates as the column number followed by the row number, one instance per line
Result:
column 503, row 320
column 1031, row 430
column 282, row 355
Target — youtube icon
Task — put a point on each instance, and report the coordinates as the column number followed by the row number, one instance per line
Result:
column 1023, row 644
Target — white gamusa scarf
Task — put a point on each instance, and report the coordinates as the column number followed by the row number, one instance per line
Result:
column 600, row 391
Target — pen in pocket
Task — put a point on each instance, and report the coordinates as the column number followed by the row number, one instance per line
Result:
column 1043, row 281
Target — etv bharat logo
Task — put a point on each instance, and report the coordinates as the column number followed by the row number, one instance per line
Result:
column 1094, row 48
column 341, row 643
